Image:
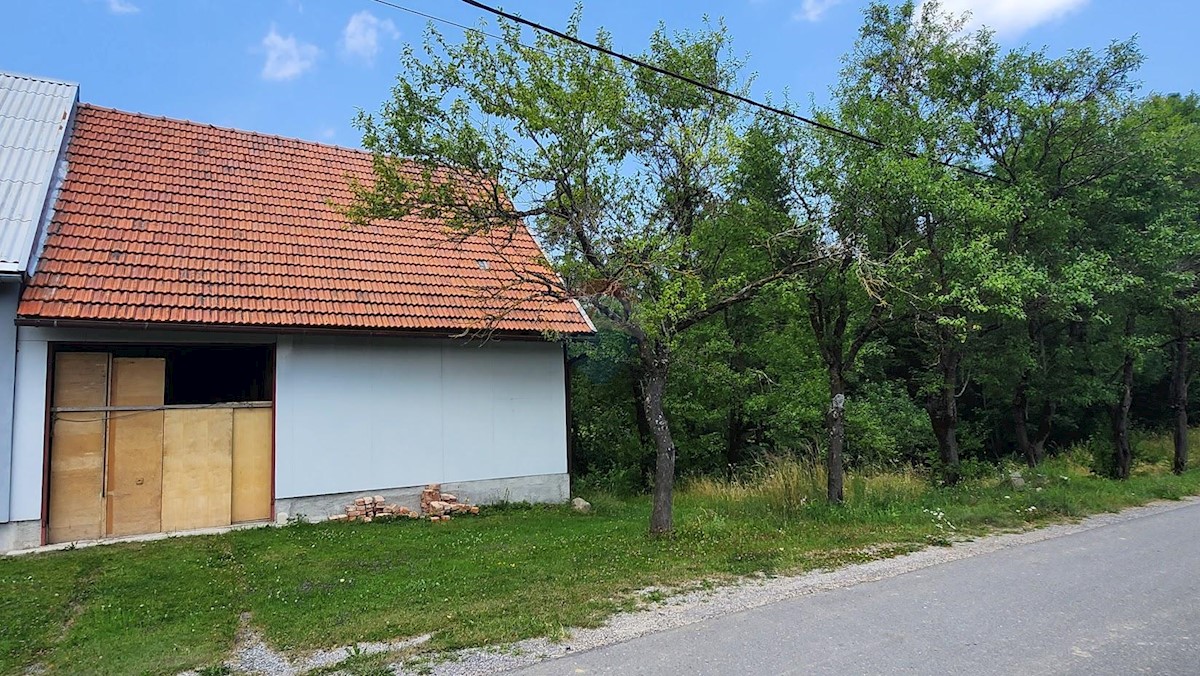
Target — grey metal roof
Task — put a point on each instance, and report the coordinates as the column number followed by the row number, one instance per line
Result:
column 34, row 116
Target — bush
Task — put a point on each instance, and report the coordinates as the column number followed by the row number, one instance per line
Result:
column 884, row 428
column 1103, row 457
column 612, row 480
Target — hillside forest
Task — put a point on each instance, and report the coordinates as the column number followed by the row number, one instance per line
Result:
column 971, row 255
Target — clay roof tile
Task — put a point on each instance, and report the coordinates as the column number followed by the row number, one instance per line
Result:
column 166, row 221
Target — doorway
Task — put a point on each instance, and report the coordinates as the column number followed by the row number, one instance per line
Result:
column 147, row 439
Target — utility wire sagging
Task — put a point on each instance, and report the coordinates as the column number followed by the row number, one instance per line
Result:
column 680, row 77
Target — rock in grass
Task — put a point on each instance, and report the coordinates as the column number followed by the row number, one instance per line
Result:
column 580, row 505
column 1016, row 480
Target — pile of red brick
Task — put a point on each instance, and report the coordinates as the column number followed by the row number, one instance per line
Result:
column 370, row 508
column 439, row 506
column 435, row 505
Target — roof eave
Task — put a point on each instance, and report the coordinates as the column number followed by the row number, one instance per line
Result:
column 66, row 323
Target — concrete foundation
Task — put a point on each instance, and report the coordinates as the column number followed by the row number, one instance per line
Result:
column 20, row 535
column 549, row 488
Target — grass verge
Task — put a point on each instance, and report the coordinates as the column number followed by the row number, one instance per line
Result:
column 513, row 573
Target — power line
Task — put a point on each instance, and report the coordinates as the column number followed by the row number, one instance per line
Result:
column 715, row 90
column 439, row 19
column 678, row 76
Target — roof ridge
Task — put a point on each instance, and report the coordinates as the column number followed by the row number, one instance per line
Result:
column 39, row 78
column 247, row 132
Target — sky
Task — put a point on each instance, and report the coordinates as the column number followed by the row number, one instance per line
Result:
column 303, row 68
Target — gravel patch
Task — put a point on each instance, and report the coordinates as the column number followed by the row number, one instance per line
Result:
column 328, row 658
column 253, row 656
column 704, row 604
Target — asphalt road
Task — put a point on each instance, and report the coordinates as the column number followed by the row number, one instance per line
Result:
column 1119, row 599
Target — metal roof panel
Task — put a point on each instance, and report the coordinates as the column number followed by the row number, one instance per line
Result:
column 34, row 116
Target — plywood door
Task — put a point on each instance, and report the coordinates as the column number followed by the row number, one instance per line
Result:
column 76, row 477
column 197, row 468
column 251, row 464
column 81, row 379
column 138, row 381
column 76, row 507
column 135, row 447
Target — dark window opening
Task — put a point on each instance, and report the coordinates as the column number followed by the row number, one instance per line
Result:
column 205, row 374
column 217, row 375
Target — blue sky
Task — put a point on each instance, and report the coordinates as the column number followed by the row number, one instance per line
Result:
column 302, row 68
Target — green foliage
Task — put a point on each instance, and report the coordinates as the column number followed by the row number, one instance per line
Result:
column 886, row 429
column 973, row 284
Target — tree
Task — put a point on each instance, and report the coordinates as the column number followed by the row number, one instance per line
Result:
column 1010, row 260
column 1144, row 220
column 909, row 83
column 1165, row 172
column 1174, row 125
column 1050, row 127
column 831, row 185
column 623, row 173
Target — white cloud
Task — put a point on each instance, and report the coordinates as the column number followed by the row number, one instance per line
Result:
column 1012, row 17
column 360, row 38
column 814, row 10
column 122, row 7
column 286, row 57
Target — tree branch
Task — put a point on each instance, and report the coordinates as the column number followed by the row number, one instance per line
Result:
column 745, row 293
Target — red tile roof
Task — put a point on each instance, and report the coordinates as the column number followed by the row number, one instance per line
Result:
column 171, row 222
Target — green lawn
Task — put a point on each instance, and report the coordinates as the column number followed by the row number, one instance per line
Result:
column 509, row 574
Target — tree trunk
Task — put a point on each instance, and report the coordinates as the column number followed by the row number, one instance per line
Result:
column 1179, row 401
column 645, row 435
column 943, row 414
column 656, row 358
column 1045, row 425
column 734, row 438
column 1020, row 413
column 1120, row 420
column 835, row 423
column 1034, row 449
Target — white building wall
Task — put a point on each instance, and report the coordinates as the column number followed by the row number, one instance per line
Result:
column 353, row 414
column 362, row 414
column 29, row 428
column 9, row 295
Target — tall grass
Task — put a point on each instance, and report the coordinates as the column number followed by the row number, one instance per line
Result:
column 785, row 485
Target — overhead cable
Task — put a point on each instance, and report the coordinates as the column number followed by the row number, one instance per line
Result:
column 682, row 78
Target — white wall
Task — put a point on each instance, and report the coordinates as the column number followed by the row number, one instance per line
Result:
column 352, row 413
column 357, row 414
column 10, row 292
column 29, row 428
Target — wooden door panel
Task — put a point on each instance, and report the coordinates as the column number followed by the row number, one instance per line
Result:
column 76, row 503
column 135, row 455
column 197, row 468
column 251, row 464
column 135, row 447
column 80, row 379
column 139, row 381
column 76, row 476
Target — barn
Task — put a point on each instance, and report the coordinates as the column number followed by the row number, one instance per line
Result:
column 197, row 337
